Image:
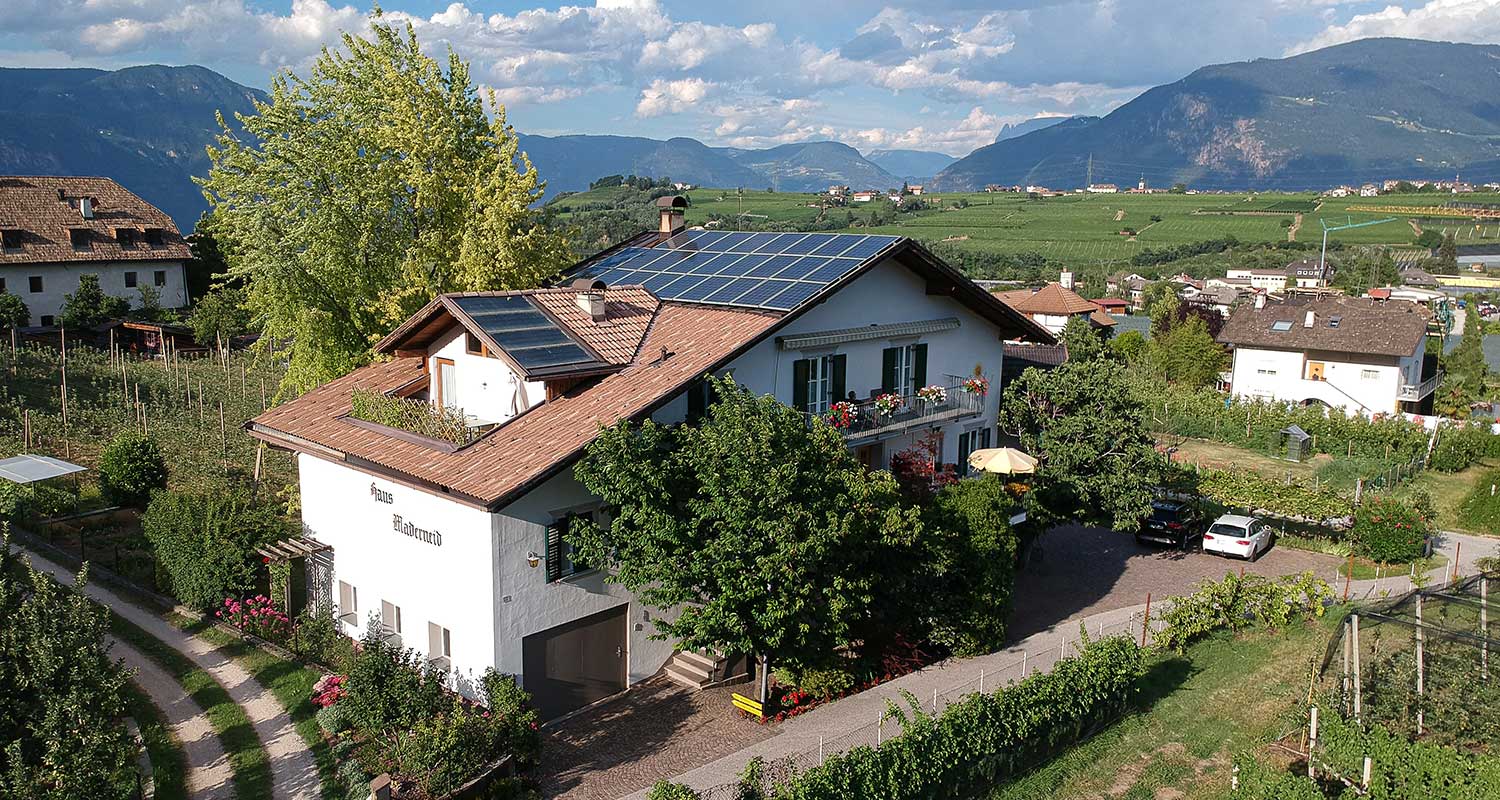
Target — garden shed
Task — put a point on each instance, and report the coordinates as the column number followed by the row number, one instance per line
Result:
column 1298, row 443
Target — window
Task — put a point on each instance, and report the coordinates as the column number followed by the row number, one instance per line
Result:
column 968, row 442
column 439, row 643
column 447, row 383
column 390, row 617
column 904, row 369
column 10, row 238
column 817, row 382
column 36, row 284
column 472, row 345
column 46, row 320
column 125, row 237
column 2, row 286
column 1282, row 325
column 1264, row 371
column 79, row 237
column 154, row 237
column 130, row 279
column 1369, row 374
column 348, row 604
column 561, row 562
column 159, row 277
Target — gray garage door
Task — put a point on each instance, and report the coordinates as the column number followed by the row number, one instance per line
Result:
column 576, row 663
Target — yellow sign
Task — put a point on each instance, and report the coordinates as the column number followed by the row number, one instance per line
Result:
column 747, row 705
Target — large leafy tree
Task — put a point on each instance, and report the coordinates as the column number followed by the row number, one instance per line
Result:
column 61, row 696
column 1186, row 354
column 1098, row 462
column 365, row 188
column 766, row 534
column 88, row 306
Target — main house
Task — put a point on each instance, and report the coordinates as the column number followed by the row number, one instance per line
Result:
column 55, row 229
column 1361, row 355
column 455, row 544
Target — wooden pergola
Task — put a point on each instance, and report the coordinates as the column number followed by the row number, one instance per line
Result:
column 286, row 550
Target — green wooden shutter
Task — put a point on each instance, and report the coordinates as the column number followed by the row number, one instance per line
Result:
column 839, row 362
column 919, row 366
column 554, row 551
column 888, row 368
column 697, row 400
column 799, row 384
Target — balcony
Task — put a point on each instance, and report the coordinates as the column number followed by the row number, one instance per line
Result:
column 1413, row 393
column 867, row 420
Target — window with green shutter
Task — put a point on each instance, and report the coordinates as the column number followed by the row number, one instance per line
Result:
column 904, row 368
column 561, row 561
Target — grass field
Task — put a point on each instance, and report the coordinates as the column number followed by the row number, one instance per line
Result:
column 1225, row 694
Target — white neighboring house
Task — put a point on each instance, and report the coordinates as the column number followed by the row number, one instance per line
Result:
column 458, row 548
column 1307, row 273
column 1273, row 280
column 1358, row 354
column 55, row 229
column 1053, row 305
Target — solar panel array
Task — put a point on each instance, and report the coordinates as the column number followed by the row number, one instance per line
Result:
column 761, row 270
column 525, row 333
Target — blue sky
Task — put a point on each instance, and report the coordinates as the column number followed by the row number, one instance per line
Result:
column 935, row 75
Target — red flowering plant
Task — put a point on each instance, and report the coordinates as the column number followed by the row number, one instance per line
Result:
column 328, row 690
column 979, row 385
column 842, row 414
column 889, row 403
column 257, row 616
column 1390, row 531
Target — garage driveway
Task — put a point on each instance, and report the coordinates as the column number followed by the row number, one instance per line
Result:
column 1081, row 571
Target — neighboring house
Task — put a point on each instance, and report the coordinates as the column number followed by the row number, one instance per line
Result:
column 1273, row 280
column 915, row 189
column 458, row 549
column 1339, row 191
column 1369, row 190
column 1052, row 306
column 1306, row 273
column 863, row 197
column 1021, row 356
column 54, row 229
column 1103, row 188
column 1222, row 299
column 1240, row 284
column 1113, row 305
column 1416, row 276
column 1358, row 354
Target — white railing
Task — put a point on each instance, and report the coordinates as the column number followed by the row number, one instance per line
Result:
column 1411, row 394
column 868, row 419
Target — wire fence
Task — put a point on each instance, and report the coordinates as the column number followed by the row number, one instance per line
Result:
column 882, row 727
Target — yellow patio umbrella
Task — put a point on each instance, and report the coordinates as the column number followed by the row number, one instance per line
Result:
column 1002, row 461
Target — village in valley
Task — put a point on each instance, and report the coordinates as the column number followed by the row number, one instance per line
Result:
column 391, row 469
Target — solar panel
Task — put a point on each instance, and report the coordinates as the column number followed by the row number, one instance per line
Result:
column 762, row 270
column 525, row 334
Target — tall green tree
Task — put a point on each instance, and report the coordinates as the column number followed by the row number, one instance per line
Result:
column 1448, row 252
column 61, row 696
column 1186, row 354
column 1097, row 460
column 13, row 312
column 1083, row 340
column 364, row 189
column 88, row 306
column 766, row 533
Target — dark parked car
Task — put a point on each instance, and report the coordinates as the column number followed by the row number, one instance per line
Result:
column 1172, row 523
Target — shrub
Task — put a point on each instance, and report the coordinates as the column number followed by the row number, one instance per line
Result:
column 971, row 553
column 391, row 689
column 205, row 542
column 13, row 312
column 131, row 468
column 320, row 638
column 1480, row 511
column 1460, row 446
column 15, row 501
column 89, row 307
column 818, row 682
column 443, row 751
column 1248, row 489
column 333, row 719
column 1389, row 530
column 1256, row 781
column 257, row 616
column 354, row 778
column 664, row 790
column 1238, row 602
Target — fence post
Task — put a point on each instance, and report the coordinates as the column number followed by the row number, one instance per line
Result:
column 1365, row 781
column 981, row 680
column 1484, row 626
column 1421, row 659
column 879, row 728
column 1312, row 739
column 934, row 700
column 1146, row 620
column 1024, row 655
column 820, row 749
column 1358, row 689
column 1344, row 674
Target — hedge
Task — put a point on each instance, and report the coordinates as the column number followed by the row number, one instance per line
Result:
column 983, row 737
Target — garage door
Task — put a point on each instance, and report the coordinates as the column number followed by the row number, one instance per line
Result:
column 576, row 663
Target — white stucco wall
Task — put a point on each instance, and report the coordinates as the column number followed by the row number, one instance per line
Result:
column 59, row 280
column 452, row 584
column 486, row 385
column 1347, row 384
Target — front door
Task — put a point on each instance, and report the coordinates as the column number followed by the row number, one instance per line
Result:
column 1315, row 370
column 447, row 383
column 576, row 663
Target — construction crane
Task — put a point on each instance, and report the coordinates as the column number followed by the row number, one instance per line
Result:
column 1323, row 257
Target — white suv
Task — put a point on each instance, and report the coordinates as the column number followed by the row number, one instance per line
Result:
column 1235, row 535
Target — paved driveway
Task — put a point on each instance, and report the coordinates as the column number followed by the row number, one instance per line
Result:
column 1081, row 571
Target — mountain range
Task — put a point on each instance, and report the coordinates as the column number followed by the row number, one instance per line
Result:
column 1370, row 109
column 1360, row 111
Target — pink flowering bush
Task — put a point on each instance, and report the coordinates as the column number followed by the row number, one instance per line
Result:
column 257, row 616
column 328, row 690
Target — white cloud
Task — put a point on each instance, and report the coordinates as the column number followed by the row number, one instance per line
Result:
column 672, row 97
column 1447, row 20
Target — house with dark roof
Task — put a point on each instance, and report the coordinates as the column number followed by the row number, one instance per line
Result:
column 1053, row 305
column 55, row 229
column 1362, row 355
column 450, row 533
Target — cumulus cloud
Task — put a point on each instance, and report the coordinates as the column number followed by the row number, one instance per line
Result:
column 672, row 97
column 1475, row 21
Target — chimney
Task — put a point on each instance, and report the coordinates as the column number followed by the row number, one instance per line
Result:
column 86, row 207
column 672, row 209
column 1066, row 279
column 1260, row 301
column 1310, row 319
column 589, row 295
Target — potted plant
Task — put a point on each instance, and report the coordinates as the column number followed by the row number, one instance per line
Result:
column 979, row 385
column 888, row 403
column 842, row 414
column 933, row 395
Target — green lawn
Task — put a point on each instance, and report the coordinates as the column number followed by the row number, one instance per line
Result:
column 168, row 762
column 1455, row 492
column 1223, row 695
column 291, row 683
column 247, row 758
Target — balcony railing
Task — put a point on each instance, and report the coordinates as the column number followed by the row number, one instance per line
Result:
column 868, row 418
column 1412, row 393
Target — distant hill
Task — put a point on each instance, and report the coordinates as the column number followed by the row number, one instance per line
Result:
column 913, row 166
column 814, row 166
column 1011, row 130
column 146, row 127
column 1355, row 112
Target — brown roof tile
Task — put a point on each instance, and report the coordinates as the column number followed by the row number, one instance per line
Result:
column 531, row 446
column 1050, row 299
column 628, row 311
column 1365, row 326
column 31, row 204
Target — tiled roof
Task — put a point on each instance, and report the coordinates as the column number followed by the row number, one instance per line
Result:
column 530, row 447
column 1050, row 299
column 1364, row 326
column 31, row 205
column 1050, row 355
column 627, row 314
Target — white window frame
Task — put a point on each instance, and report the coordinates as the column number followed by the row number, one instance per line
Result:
column 1369, row 374
column 385, row 621
column 348, row 610
column 819, row 383
column 906, row 370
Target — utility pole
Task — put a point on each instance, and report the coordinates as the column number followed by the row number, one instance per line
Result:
column 1323, row 256
column 1091, row 172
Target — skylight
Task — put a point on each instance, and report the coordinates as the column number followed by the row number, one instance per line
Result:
column 1281, row 325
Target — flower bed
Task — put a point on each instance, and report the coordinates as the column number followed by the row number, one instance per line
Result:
column 257, row 616
column 797, row 692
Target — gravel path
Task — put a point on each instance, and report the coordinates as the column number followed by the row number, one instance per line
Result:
column 208, row 776
column 294, row 773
